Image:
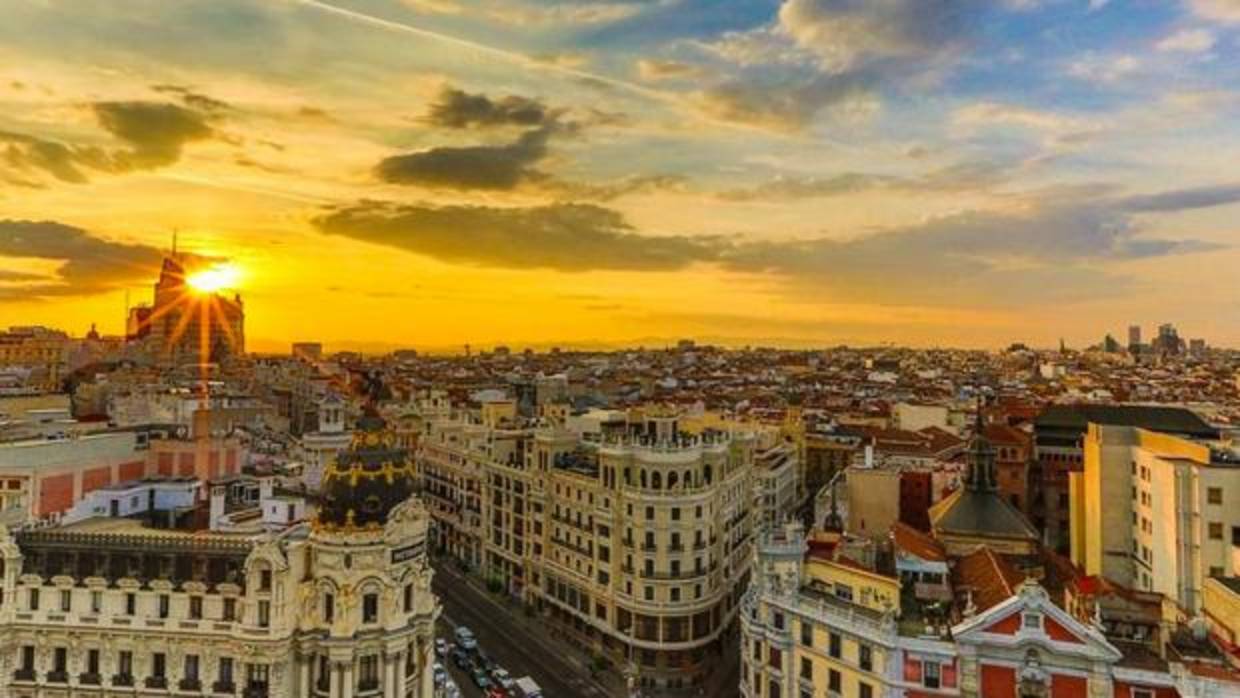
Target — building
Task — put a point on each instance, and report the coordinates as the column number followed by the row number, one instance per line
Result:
column 1156, row 512
column 34, row 357
column 308, row 351
column 630, row 534
column 1134, row 338
column 775, row 485
column 154, row 594
column 320, row 446
column 184, row 325
column 1058, row 450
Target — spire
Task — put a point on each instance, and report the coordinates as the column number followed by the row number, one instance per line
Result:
column 981, row 476
column 174, row 242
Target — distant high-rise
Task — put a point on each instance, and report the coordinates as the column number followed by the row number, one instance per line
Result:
column 184, row 325
column 1134, row 336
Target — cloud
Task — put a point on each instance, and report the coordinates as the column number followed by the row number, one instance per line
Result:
column 1187, row 41
column 958, row 177
column 496, row 167
column 1226, row 11
column 654, row 70
column 1094, row 67
column 63, row 162
column 608, row 191
column 456, row 108
column 789, row 105
column 1184, row 199
column 564, row 237
column 89, row 263
column 191, row 99
column 154, row 131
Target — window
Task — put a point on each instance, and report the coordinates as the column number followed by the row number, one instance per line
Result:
column 1033, row 620
column 1214, row 495
column 368, row 674
column 931, row 677
column 224, row 674
column 408, row 598
column 773, row 689
column 650, row 593
column 159, row 665
column 1216, row 530
column 865, row 658
column 230, row 609
column 778, row 620
column 60, row 660
column 650, row 513
column 674, row 594
column 131, row 603
column 191, row 667
column 675, row 513
column 807, row 669
column 195, row 607
column 96, row 601
column 370, row 608
column 329, row 608
column 775, row 657
column 833, row 681
column 843, row 591
column 264, row 614
column 124, row 663
column 66, row 600
column 28, row 658
column 807, row 634
column 34, row 599
column 864, row 690
column 264, row 580
column 1142, row 693
column 163, row 605
column 92, row 662
column 833, row 645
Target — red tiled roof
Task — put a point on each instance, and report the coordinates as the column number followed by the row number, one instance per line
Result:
column 915, row 542
column 991, row 578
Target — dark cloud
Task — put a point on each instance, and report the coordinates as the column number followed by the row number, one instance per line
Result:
column 64, row 162
column 1184, row 199
column 609, row 191
column 154, row 131
column 194, row 100
column 89, row 263
column 459, row 109
column 565, row 237
column 469, row 167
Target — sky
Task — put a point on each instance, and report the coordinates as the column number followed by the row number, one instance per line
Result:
column 430, row 173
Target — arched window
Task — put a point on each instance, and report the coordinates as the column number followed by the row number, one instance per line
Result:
column 628, row 476
column 643, row 479
column 671, row 481
column 688, row 479
column 706, row 474
column 656, row 481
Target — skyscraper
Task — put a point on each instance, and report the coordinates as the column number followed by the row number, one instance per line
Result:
column 187, row 325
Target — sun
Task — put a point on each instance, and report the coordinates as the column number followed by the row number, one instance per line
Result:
column 214, row 278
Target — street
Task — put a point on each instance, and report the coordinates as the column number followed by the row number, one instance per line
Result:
column 510, row 644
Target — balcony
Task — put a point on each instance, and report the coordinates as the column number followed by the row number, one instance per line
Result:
column 224, row 687
column 26, row 674
column 157, row 682
column 122, row 679
column 90, row 679
column 190, row 685
column 58, row 676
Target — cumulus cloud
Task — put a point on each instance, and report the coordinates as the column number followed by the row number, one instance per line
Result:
column 1187, row 41
column 455, row 108
column 564, row 237
column 497, row 167
column 1094, row 67
column 788, row 105
column 89, row 263
column 154, row 131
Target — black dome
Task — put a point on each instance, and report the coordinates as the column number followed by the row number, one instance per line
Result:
column 366, row 481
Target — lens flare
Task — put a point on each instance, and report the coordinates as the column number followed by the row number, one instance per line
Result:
column 214, row 278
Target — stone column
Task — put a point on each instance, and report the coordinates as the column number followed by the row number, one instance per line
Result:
column 304, row 678
column 347, row 679
column 389, row 677
column 400, row 675
column 334, row 677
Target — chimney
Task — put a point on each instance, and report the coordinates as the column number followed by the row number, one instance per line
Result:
column 217, row 506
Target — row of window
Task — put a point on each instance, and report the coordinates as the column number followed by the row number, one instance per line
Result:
column 163, row 603
column 256, row 674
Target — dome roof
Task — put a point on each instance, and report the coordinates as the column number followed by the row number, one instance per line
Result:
column 366, row 481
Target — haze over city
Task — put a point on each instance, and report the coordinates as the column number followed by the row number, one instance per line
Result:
column 428, row 173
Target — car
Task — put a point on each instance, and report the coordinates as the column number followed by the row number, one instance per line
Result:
column 485, row 662
column 465, row 638
column 461, row 659
column 441, row 647
column 497, row 692
column 441, row 675
column 501, row 676
column 480, row 678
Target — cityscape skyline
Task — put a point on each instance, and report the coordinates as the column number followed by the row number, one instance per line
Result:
column 435, row 172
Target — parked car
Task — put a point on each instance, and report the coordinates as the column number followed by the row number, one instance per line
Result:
column 485, row 662
column 441, row 675
column 497, row 692
column 501, row 676
column 441, row 647
column 465, row 639
column 480, row 678
column 526, row 688
column 461, row 659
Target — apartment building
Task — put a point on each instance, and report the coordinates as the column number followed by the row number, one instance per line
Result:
column 144, row 599
column 1156, row 512
column 627, row 532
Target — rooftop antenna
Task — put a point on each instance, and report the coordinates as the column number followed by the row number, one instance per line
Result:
column 174, row 242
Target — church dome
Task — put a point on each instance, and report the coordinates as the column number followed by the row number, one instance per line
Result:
column 367, row 480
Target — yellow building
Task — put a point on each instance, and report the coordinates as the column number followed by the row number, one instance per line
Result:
column 1156, row 512
column 37, row 353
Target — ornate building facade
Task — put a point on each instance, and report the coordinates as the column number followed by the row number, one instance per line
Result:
column 158, row 604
